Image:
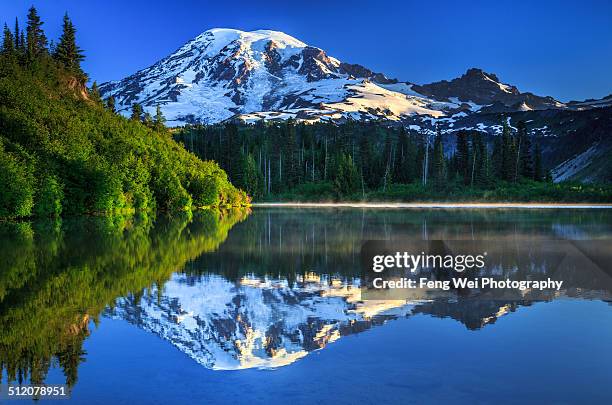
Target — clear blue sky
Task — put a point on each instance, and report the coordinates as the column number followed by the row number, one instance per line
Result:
column 559, row 48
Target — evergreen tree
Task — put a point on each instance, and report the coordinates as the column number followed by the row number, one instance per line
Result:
column 479, row 173
column 347, row 179
column 110, row 104
column 8, row 44
column 438, row 164
column 462, row 157
column 496, row 157
column 95, row 93
column 36, row 41
column 386, row 163
column 18, row 44
column 526, row 168
column 250, row 178
column 159, row 120
column 508, row 153
column 366, row 157
column 136, row 112
column 67, row 51
column 289, row 158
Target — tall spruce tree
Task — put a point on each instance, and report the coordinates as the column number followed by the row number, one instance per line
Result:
column 526, row 163
column 159, row 120
column 462, row 157
column 18, row 43
column 36, row 40
column 95, row 93
column 110, row 104
column 479, row 173
column 67, row 52
column 136, row 112
column 347, row 179
column 8, row 42
column 438, row 163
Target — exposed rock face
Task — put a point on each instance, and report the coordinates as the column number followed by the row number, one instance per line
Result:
column 485, row 89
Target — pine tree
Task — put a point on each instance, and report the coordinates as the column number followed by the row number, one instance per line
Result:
column 67, row 51
column 347, row 179
column 525, row 152
column 159, row 120
column 386, row 163
column 8, row 44
column 508, row 153
column 290, row 159
column 18, row 43
column 95, row 93
column 479, row 175
column 136, row 112
column 250, row 178
column 110, row 104
column 367, row 161
column 438, row 164
column 36, row 42
column 462, row 157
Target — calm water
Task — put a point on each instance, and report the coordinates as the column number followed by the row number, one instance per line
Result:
column 265, row 306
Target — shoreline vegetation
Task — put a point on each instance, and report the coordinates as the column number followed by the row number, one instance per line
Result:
column 65, row 151
column 372, row 161
column 427, row 205
column 524, row 193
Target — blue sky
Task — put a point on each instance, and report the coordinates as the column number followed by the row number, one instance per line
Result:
column 559, row 48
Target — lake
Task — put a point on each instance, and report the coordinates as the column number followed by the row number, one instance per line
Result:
column 265, row 306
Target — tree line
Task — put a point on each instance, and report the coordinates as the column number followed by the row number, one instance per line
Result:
column 356, row 157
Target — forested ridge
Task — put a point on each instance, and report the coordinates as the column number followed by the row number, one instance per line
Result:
column 65, row 151
column 360, row 161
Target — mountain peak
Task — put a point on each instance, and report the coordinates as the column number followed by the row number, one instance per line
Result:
column 477, row 73
column 225, row 72
column 228, row 35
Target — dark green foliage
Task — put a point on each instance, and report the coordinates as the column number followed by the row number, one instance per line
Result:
column 95, row 93
column 438, row 163
column 159, row 121
column 309, row 161
column 110, row 104
column 250, row 178
column 36, row 40
column 525, row 152
column 67, row 52
column 136, row 112
column 347, row 180
column 463, row 159
column 8, row 42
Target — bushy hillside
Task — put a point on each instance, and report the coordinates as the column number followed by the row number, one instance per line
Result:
column 63, row 152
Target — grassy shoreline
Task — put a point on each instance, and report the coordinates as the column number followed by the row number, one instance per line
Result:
column 503, row 193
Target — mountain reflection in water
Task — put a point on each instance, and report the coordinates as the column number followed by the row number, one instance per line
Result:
column 238, row 290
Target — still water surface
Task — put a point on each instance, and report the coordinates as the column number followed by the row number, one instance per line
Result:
column 265, row 306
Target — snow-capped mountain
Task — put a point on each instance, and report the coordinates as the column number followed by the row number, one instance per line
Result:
column 227, row 74
column 224, row 73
